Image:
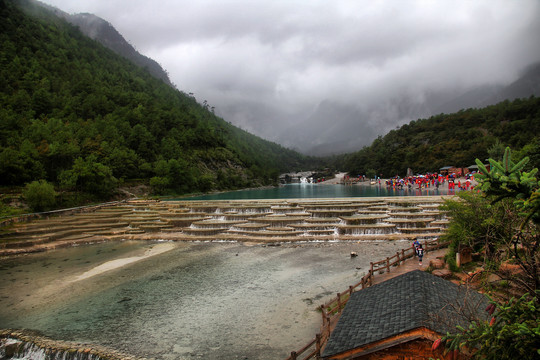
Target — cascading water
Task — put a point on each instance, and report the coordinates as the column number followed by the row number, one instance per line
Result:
column 13, row 349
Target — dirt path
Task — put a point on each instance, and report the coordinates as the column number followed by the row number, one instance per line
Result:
column 336, row 180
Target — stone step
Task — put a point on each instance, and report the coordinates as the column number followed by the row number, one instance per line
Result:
column 204, row 231
column 443, row 224
column 373, row 212
column 212, row 223
column 366, row 229
column 400, row 209
column 278, row 221
column 280, row 209
column 154, row 227
column 407, row 215
column 270, row 234
column 334, row 207
column 250, row 226
column 332, row 213
column 184, row 221
column 334, row 220
column 320, row 232
column 189, row 214
column 420, row 230
column 363, row 219
column 263, row 221
column 235, row 216
column 314, row 226
column 410, row 223
column 435, row 214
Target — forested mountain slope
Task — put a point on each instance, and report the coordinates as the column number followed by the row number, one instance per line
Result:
column 426, row 145
column 102, row 31
column 80, row 116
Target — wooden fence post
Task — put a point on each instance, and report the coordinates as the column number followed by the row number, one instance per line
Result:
column 328, row 328
column 351, row 290
column 398, row 259
column 293, row 355
column 339, row 303
column 318, row 345
column 323, row 314
column 387, row 264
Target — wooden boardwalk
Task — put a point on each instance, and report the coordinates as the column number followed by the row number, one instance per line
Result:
column 410, row 265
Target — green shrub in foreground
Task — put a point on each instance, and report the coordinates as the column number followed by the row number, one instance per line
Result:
column 40, row 195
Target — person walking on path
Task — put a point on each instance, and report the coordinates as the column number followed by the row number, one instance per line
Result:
column 420, row 253
column 416, row 244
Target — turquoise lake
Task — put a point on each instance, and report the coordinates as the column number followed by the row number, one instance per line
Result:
column 300, row 191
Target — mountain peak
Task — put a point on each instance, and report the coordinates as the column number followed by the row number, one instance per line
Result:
column 104, row 32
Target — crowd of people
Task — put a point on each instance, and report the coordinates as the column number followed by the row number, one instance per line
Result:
column 431, row 180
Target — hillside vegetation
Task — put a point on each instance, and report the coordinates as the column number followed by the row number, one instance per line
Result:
column 426, row 145
column 79, row 116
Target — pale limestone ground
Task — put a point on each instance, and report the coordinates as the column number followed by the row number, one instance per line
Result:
column 336, row 180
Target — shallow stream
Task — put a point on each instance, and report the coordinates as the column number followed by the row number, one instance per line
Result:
column 198, row 300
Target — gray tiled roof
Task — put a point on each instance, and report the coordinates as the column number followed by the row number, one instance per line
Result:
column 409, row 301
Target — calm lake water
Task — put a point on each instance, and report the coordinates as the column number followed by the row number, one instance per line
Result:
column 301, row 191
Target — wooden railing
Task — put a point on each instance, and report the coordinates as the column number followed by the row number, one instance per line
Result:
column 331, row 311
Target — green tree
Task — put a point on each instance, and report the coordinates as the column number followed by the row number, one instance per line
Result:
column 160, row 184
column 480, row 225
column 507, row 180
column 40, row 195
column 90, row 176
column 514, row 331
column 11, row 167
column 496, row 151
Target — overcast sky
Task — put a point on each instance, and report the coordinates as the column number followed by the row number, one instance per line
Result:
column 266, row 65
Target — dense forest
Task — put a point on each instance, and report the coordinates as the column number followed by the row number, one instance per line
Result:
column 426, row 145
column 76, row 115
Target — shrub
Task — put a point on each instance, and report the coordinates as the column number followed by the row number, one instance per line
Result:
column 40, row 195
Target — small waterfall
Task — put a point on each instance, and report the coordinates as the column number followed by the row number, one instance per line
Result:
column 245, row 220
column 14, row 349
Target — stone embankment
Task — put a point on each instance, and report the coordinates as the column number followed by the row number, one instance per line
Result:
column 253, row 221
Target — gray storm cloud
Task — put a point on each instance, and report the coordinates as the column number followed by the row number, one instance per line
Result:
column 313, row 74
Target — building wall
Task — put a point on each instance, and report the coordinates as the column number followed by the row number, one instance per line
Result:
column 413, row 350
